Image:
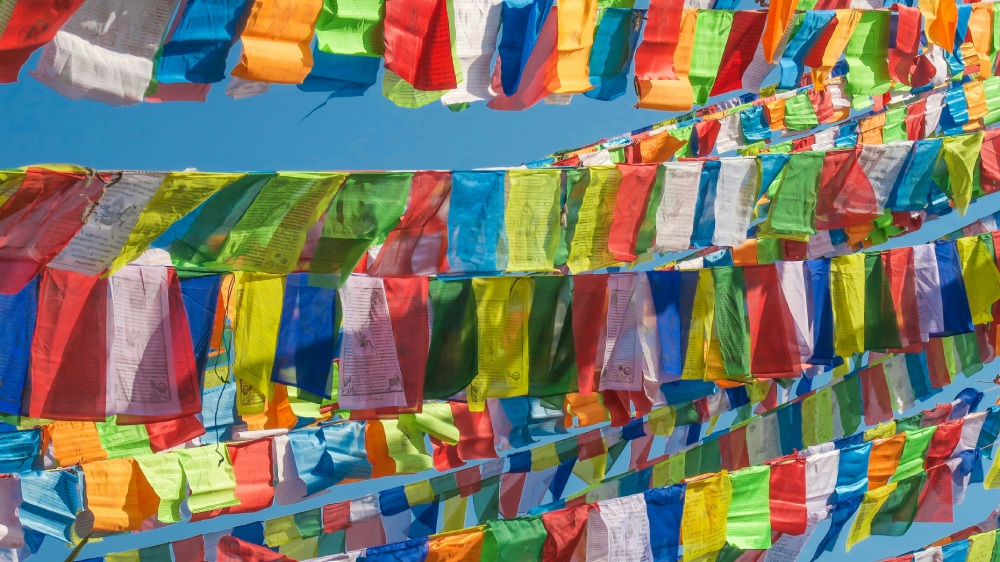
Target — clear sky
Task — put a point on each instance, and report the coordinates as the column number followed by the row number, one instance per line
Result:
column 268, row 133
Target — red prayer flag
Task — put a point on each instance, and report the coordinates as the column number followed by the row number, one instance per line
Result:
column 189, row 549
column 336, row 516
column 39, row 219
column 654, row 57
column 915, row 120
column 875, row 395
column 253, row 466
column 168, row 434
column 565, row 528
column 733, row 448
column 419, row 243
column 788, row 496
column 936, row 502
column 943, row 443
column 707, row 133
column 418, row 43
column 990, row 161
column 630, row 209
column 907, row 43
column 938, row 415
column 822, row 103
column 32, row 24
column 589, row 301
column 511, row 487
column 937, row 369
column 744, row 35
column 70, row 348
column 232, row 549
column 898, row 263
column 845, row 196
column 773, row 348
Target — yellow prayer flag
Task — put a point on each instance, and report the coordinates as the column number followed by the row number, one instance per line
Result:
column 503, row 306
column 532, row 218
column 702, row 315
column 981, row 547
column 847, row 289
column 179, row 194
column 257, row 302
column 982, row 279
column 706, row 508
column 577, row 19
column 873, row 501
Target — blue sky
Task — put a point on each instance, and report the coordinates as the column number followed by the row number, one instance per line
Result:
column 268, row 133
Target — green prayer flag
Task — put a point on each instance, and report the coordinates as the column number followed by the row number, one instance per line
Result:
column 486, row 502
column 881, row 329
column 967, row 349
column 911, row 460
column 895, row 125
column 452, row 359
column 768, row 250
column 164, row 474
column 280, row 530
column 269, row 237
column 351, row 27
column 848, row 393
column 731, row 323
column 896, row 515
column 551, row 372
column 748, row 525
column 210, row 476
column 123, row 441
column 867, row 54
column 514, row 540
column 711, row 33
column 793, row 210
column 362, row 213
column 799, row 113
column 214, row 219
column 309, row 523
column 332, row 543
column 407, row 446
column 991, row 87
column 961, row 155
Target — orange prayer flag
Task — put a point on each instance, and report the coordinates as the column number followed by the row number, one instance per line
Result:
column 746, row 253
column 975, row 99
column 779, row 16
column 74, row 442
column 456, row 547
column 378, row 450
column 276, row 41
column 118, row 496
column 824, row 56
column 884, row 459
column 660, row 147
column 776, row 114
column 587, row 408
column 981, row 31
column 940, row 20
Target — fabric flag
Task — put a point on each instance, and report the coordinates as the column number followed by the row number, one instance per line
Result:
column 748, row 525
column 276, row 40
column 163, row 473
column 514, row 540
column 477, row 25
column 351, row 27
column 619, row 530
column 703, row 525
column 11, row 533
column 475, row 221
column 664, row 508
column 118, row 495
column 710, row 38
column 105, row 51
column 210, row 478
column 738, row 185
column 788, row 495
column 341, row 75
column 54, row 201
column 611, row 56
column 676, row 210
column 633, row 200
column 271, row 233
column 779, row 17
column 370, row 374
column 960, row 154
column 16, row 333
column 867, row 55
column 577, row 21
column 50, row 502
column 565, row 528
column 811, row 30
column 70, row 348
column 307, row 337
column 28, row 26
column 774, row 349
column 417, row 246
column 451, row 360
column 531, row 219
column 363, row 211
column 744, row 36
column 982, row 280
column 592, row 203
column 523, row 26
column 198, row 46
column 673, row 91
column 845, row 197
column 418, row 44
